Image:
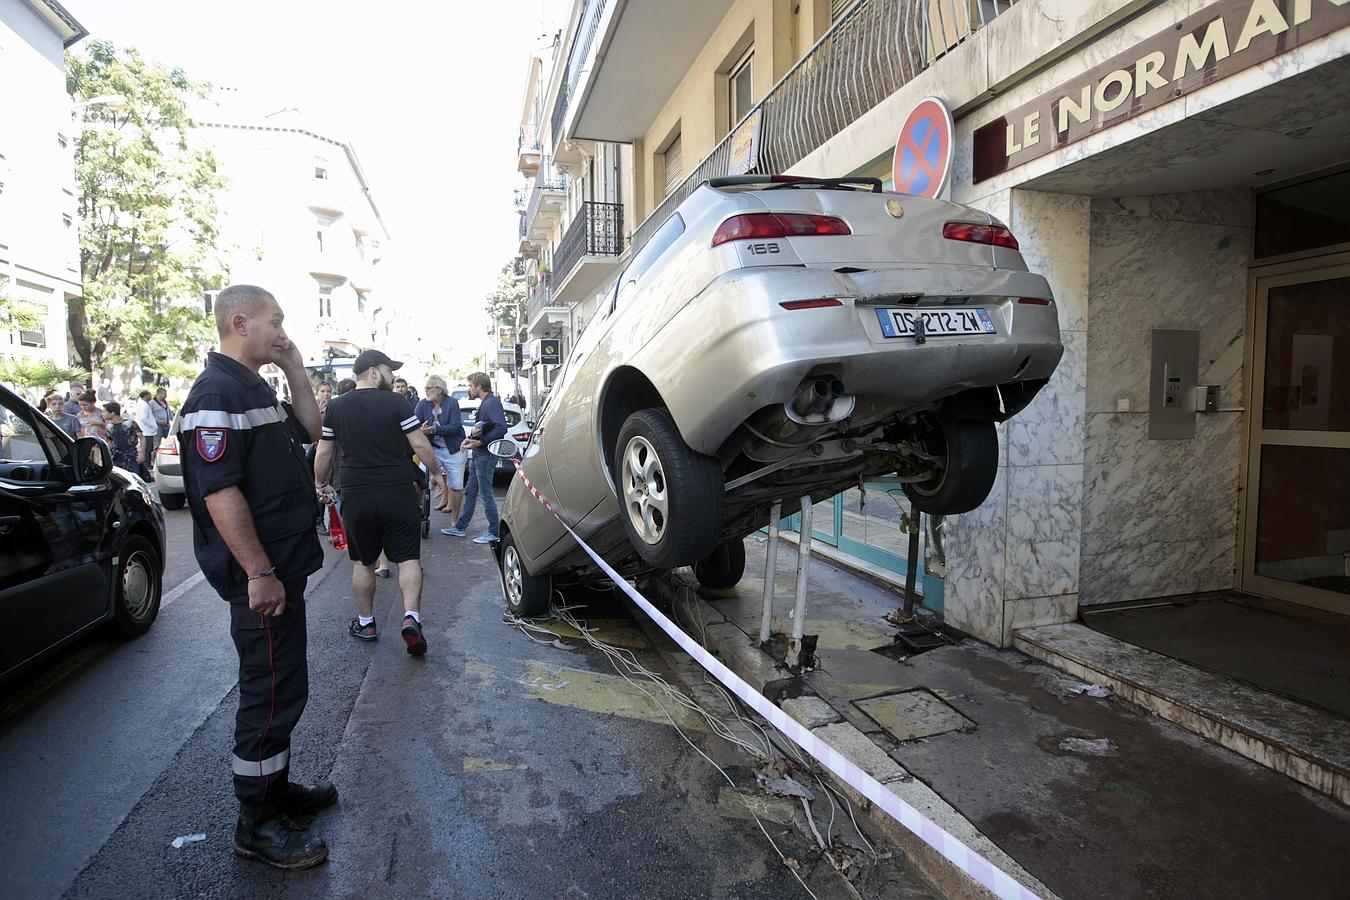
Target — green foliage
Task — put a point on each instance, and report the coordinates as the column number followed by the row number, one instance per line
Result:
column 147, row 214
column 38, row 373
column 507, row 297
column 15, row 315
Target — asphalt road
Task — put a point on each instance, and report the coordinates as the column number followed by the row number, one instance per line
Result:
column 495, row 766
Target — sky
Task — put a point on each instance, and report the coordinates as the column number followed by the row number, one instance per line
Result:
column 429, row 95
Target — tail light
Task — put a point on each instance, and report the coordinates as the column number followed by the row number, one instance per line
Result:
column 757, row 226
column 169, row 446
column 996, row 235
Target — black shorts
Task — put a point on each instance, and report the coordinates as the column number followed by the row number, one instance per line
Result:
column 387, row 519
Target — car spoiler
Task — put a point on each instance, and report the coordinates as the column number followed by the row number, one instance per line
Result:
column 792, row 181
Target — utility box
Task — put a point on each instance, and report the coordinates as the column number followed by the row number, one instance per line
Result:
column 1172, row 381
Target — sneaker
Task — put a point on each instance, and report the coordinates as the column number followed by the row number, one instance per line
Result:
column 381, row 573
column 362, row 632
column 412, row 636
column 485, row 538
column 453, row 531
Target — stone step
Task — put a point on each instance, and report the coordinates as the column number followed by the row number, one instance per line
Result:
column 1307, row 744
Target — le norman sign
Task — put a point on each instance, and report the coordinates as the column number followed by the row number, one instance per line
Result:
column 1222, row 39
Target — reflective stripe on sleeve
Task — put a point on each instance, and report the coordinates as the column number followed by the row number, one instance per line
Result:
column 216, row 418
column 258, row 769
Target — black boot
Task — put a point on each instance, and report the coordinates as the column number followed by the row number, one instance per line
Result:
column 301, row 803
column 265, row 834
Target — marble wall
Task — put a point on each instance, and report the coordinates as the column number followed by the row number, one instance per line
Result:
column 1161, row 517
column 1014, row 562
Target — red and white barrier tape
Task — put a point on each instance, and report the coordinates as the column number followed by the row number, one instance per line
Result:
column 967, row 860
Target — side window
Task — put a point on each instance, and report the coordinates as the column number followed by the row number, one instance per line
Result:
column 647, row 257
column 28, row 445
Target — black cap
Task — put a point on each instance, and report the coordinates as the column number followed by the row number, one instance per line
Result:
column 369, row 359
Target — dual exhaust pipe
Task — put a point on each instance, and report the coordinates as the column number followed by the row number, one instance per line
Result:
column 816, row 396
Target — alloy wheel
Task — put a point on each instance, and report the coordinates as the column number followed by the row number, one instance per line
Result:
column 515, row 581
column 644, row 489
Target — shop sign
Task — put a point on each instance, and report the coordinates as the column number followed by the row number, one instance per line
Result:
column 923, row 153
column 744, row 151
column 1224, row 38
column 506, row 340
column 544, row 351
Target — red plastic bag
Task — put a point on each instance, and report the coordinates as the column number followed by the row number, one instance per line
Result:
column 336, row 532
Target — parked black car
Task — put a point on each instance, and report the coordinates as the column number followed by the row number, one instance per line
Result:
column 81, row 543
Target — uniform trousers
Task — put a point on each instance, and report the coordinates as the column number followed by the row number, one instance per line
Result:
column 273, row 690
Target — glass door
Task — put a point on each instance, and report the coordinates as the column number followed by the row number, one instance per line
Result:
column 1297, row 524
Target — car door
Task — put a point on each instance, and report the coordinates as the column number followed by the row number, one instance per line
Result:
column 53, row 581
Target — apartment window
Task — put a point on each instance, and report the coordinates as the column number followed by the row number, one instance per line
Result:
column 318, row 236
column 838, row 8
column 672, row 166
column 37, row 337
column 739, row 88
column 320, row 173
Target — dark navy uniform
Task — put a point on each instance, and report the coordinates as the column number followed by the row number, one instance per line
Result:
column 234, row 433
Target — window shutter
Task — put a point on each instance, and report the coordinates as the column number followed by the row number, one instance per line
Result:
column 674, row 166
column 838, row 8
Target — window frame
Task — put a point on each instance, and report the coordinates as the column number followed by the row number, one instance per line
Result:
column 744, row 65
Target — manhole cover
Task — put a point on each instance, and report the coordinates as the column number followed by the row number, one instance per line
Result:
column 910, row 715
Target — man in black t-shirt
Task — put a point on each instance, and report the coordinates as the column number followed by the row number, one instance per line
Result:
column 376, row 432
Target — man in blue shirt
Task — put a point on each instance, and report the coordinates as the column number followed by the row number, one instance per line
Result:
column 491, row 426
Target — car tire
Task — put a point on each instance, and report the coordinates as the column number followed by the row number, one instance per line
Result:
column 671, row 498
column 723, row 567
column 968, row 451
column 526, row 595
column 173, row 501
column 137, row 590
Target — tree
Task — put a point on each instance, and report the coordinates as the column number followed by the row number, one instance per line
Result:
column 147, row 214
column 37, row 373
column 15, row 315
column 507, row 297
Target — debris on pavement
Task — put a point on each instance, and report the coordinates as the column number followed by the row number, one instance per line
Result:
column 1091, row 690
column 183, row 840
column 1088, row 746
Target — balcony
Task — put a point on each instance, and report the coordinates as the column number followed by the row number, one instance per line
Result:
column 527, row 149
column 542, row 310
column 875, row 48
column 545, row 204
column 589, row 251
column 528, row 248
column 649, row 46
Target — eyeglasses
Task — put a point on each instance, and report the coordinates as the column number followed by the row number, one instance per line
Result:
column 432, row 387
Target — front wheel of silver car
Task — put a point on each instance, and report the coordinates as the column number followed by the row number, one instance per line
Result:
column 526, row 595
column 671, row 496
column 964, row 455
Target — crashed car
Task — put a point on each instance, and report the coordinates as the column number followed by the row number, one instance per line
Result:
column 778, row 337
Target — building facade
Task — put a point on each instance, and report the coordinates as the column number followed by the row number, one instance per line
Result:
column 39, row 230
column 1179, row 171
column 576, row 215
column 298, row 217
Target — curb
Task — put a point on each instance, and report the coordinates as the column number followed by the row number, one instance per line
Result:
column 739, row 652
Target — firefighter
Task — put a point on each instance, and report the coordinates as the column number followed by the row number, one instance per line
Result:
column 253, row 511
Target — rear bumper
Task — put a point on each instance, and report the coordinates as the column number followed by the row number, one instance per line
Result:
column 169, row 482
column 759, row 353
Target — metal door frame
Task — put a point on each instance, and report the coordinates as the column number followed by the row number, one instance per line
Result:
column 1255, row 436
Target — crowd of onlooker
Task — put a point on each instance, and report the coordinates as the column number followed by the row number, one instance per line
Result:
column 132, row 430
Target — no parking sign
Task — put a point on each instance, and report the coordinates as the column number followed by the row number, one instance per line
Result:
column 923, row 154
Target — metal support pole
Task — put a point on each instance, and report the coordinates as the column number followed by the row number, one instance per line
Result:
column 803, row 564
column 770, row 573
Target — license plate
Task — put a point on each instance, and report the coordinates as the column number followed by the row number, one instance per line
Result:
column 897, row 323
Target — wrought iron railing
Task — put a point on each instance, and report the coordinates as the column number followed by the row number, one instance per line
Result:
column 524, row 226
column 597, row 230
column 577, row 57
column 875, row 48
column 541, row 296
column 528, row 141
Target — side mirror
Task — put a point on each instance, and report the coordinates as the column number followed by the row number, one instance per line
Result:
column 504, row 448
column 92, row 460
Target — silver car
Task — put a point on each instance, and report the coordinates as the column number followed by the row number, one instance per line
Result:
column 778, row 337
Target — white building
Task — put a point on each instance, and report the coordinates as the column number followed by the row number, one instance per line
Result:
column 39, row 234
column 297, row 217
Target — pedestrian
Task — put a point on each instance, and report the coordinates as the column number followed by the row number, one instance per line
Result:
column 376, row 433
column 72, row 407
column 409, row 393
column 444, row 427
column 148, row 426
column 344, row 386
column 91, row 417
column 491, row 426
column 162, row 414
column 124, row 439
column 252, row 504
column 57, row 413
column 322, row 394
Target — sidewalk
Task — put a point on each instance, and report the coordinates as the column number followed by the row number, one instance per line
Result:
column 1087, row 796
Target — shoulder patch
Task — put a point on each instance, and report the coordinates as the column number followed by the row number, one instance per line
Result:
column 211, row 443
